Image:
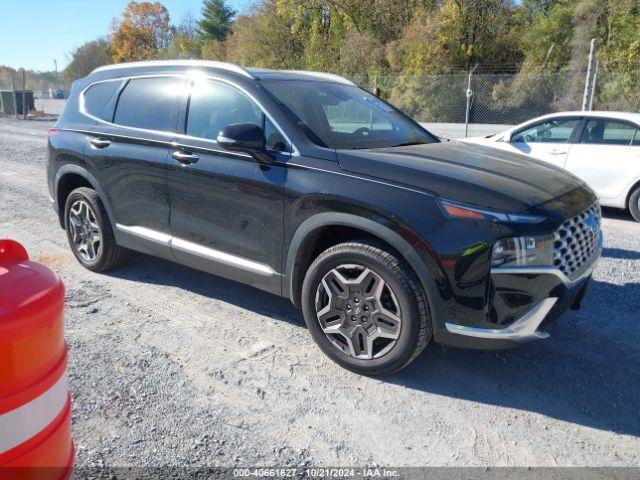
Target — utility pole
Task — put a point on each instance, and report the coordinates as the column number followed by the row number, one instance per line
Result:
column 469, row 97
column 593, row 91
column 14, row 95
column 24, row 95
column 55, row 62
column 589, row 81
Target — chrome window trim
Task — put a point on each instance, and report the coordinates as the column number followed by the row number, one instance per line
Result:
column 201, row 251
column 82, row 109
column 81, row 100
column 186, row 76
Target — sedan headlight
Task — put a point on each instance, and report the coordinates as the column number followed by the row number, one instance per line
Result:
column 523, row 251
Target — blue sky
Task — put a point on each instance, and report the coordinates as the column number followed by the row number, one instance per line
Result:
column 35, row 32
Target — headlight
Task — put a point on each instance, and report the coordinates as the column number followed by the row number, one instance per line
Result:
column 523, row 251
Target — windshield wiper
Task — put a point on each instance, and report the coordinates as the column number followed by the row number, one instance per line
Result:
column 407, row 144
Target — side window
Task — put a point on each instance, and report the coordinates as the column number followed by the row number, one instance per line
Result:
column 608, row 132
column 275, row 140
column 636, row 139
column 148, row 103
column 214, row 105
column 98, row 96
column 552, row 131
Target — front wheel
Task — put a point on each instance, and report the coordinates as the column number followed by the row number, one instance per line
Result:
column 365, row 308
column 89, row 231
column 634, row 204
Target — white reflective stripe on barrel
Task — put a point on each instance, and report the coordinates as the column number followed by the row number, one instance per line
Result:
column 25, row 422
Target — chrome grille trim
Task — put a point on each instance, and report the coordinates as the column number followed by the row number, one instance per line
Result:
column 576, row 241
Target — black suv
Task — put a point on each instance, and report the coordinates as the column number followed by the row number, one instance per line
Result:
column 302, row 184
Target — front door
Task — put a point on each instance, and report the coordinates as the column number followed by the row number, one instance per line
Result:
column 226, row 208
column 547, row 140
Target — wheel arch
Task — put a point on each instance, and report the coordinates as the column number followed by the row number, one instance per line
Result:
column 306, row 240
column 68, row 178
column 634, row 186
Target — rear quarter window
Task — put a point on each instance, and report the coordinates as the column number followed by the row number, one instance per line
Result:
column 98, row 97
column 148, row 103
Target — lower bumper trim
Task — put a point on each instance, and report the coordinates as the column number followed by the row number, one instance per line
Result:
column 523, row 329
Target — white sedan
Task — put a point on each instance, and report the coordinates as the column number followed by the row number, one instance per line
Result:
column 602, row 148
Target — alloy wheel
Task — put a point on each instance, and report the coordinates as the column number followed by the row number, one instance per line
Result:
column 358, row 311
column 85, row 231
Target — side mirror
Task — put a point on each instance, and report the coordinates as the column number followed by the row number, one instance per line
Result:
column 246, row 138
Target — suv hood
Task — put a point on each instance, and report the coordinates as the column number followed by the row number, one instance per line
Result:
column 467, row 173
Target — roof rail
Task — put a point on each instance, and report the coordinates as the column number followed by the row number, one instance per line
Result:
column 178, row 63
column 332, row 77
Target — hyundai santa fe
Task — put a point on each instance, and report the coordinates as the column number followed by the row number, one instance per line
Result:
column 304, row 185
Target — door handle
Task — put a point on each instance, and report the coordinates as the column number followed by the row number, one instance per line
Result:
column 558, row 151
column 100, row 142
column 185, row 158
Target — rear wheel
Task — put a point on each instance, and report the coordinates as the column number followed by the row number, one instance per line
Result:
column 89, row 231
column 634, row 204
column 365, row 309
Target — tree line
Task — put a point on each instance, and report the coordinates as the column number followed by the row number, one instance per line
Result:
column 402, row 40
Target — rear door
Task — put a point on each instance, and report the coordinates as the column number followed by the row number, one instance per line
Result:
column 129, row 150
column 548, row 140
column 607, row 156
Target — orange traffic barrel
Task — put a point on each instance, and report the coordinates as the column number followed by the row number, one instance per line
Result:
column 35, row 406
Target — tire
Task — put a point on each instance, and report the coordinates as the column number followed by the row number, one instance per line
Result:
column 348, row 325
column 634, row 204
column 84, row 203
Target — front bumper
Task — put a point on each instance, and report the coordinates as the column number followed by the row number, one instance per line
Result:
column 524, row 300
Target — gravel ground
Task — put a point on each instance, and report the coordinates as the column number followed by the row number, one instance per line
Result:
column 171, row 366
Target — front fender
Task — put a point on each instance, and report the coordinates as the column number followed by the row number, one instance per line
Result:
column 424, row 265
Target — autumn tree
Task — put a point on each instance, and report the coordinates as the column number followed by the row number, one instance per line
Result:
column 84, row 59
column 142, row 32
column 265, row 38
column 213, row 50
column 216, row 20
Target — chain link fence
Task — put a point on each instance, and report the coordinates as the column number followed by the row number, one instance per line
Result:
column 503, row 98
column 496, row 98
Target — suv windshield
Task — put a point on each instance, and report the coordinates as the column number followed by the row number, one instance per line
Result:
column 340, row 116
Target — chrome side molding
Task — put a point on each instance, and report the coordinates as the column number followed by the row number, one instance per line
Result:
column 523, row 329
column 198, row 250
column 147, row 233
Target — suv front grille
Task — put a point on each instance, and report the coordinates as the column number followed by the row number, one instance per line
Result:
column 576, row 241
